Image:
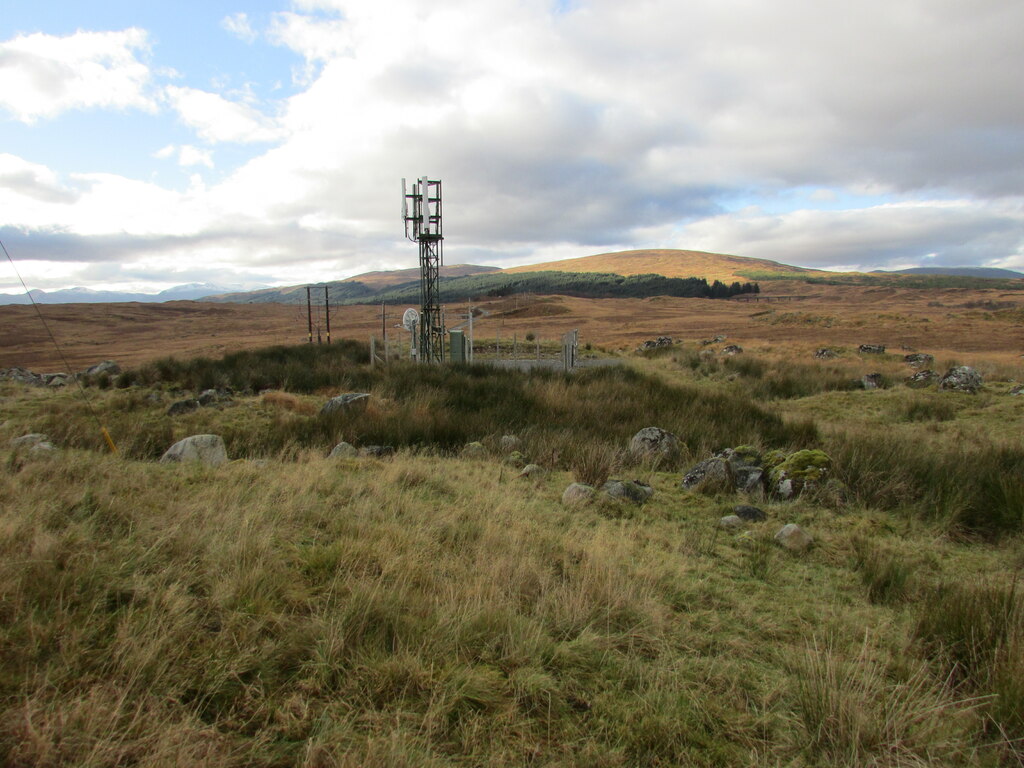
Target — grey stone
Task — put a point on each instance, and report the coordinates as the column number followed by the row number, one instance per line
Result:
column 872, row 349
column 654, row 441
column 824, row 353
column 871, row 380
column 661, row 341
column 21, row 375
column 182, row 406
column 730, row 522
column 208, row 397
column 749, row 513
column 531, row 470
column 35, row 442
column 918, row 359
column 351, row 401
column 509, row 443
column 207, row 449
column 474, row 450
column 377, row 451
column 343, row 450
column 56, row 380
column 728, row 470
column 921, row 379
column 1018, row 390
column 578, row 493
column 630, row 490
column 794, row 538
column 713, row 471
column 962, row 378
column 516, row 459
column 108, row 367
column 732, row 349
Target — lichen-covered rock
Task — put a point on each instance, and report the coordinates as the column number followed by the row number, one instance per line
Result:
column 794, row 538
column 509, row 443
column 578, row 493
column 918, row 359
column 343, row 450
column 349, row 402
column 531, row 470
column 962, row 378
column 474, row 450
column 658, row 343
column 108, row 367
column 732, row 349
column 749, row 513
column 871, row 380
column 1018, row 390
column 516, row 459
column 630, row 490
column 21, row 375
column 921, row 379
column 654, row 442
column 716, row 340
column 35, row 442
column 206, row 449
column 825, row 353
column 800, row 471
column 734, row 469
column 872, row 349
column 711, row 474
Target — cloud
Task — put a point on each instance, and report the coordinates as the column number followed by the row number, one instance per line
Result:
column 42, row 76
column 216, row 119
column 32, row 181
column 238, row 25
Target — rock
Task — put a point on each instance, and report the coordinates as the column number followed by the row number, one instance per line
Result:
column 872, row 349
column 824, row 353
column 21, row 375
column 207, row 449
column 732, row 349
column 509, row 443
column 918, row 359
column 661, row 341
column 1018, row 390
column 716, row 340
column 182, row 406
column 749, row 513
column 730, row 522
column 516, row 459
column 921, row 379
column 798, row 472
column 474, row 450
column 654, row 441
column 108, row 367
column 343, row 451
column 377, row 451
column 630, row 490
column 962, row 378
column 871, row 380
column 794, row 538
column 35, row 442
column 709, row 474
column 734, row 469
column 56, row 380
column 351, row 401
column 531, row 470
column 208, row 397
column 578, row 493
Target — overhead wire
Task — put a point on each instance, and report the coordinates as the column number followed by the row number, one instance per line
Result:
column 67, row 367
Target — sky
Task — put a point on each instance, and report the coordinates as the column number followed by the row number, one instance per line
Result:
column 149, row 144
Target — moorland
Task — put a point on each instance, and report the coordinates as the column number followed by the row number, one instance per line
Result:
column 440, row 606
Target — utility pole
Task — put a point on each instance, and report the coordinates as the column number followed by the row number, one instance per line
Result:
column 309, row 313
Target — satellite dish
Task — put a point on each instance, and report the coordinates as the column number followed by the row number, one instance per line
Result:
column 410, row 319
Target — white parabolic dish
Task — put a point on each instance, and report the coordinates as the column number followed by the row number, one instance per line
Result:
column 410, row 318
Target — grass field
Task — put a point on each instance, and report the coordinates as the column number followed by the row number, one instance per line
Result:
column 288, row 609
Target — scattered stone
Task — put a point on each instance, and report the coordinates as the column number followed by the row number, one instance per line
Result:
column 794, row 538
column 871, row 380
column 654, row 441
column 377, row 451
column 351, row 401
column 531, row 470
column 962, row 378
column 578, row 493
column 208, row 397
column 1018, row 390
column 872, row 349
column 630, row 490
column 732, row 349
column 661, row 341
column 182, row 406
column 343, row 450
column 35, row 442
column 516, row 459
column 919, row 359
column 799, row 472
column 207, row 449
column 825, row 353
column 108, row 367
column 56, row 380
column 734, row 469
column 509, row 443
column 921, row 379
column 21, row 375
column 730, row 522
column 749, row 513
column 474, row 450
column 715, row 340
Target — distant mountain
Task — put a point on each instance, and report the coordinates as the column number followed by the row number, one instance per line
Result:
column 990, row 272
column 187, row 292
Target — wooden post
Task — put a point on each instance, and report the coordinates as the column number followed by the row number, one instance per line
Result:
column 327, row 312
column 309, row 314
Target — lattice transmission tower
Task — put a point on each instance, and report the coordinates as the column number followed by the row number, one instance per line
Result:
column 423, row 225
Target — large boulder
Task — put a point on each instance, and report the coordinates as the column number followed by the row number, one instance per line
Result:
column 349, row 402
column 734, row 469
column 654, row 442
column 799, row 472
column 21, row 375
column 794, row 538
column 578, row 493
column 207, row 449
column 962, row 378
column 629, row 490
